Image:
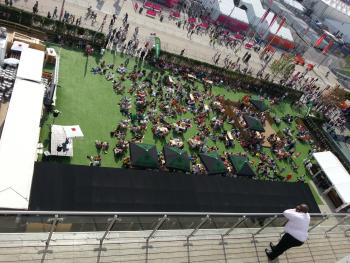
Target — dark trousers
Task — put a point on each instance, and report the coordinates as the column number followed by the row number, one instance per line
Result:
column 286, row 242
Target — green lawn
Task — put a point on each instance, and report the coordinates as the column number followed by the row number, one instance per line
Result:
column 89, row 100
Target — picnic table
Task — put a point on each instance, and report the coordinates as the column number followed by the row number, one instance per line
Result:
column 148, row 5
column 151, row 13
column 175, row 14
column 204, row 25
column 157, row 8
column 192, row 20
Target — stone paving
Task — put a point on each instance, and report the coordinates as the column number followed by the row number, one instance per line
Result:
column 173, row 39
column 167, row 246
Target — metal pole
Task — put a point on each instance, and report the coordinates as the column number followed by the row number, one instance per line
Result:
column 266, row 225
column 62, row 8
column 203, row 221
column 160, row 223
column 346, row 232
column 240, row 221
column 109, row 227
column 320, row 222
column 54, row 221
column 340, row 222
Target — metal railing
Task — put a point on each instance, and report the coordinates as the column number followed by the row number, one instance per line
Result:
column 191, row 224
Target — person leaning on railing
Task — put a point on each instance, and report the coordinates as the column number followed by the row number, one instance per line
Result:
column 296, row 231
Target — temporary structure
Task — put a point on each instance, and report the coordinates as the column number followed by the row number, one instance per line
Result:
column 337, row 175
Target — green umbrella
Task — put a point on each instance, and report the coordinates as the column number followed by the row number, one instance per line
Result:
column 259, row 104
column 241, row 165
column 253, row 123
column 213, row 163
column 176, row 158
column 143, row 155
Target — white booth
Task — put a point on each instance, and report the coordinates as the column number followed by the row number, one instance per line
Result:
column 336, row 179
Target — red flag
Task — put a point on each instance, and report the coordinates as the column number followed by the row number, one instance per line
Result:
column 281, row 24
column 273, row 20
column 265, row 15
column 319, row 41
column 325, row 50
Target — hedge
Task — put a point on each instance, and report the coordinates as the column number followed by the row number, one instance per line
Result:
column 51, row 26
column 246, row 81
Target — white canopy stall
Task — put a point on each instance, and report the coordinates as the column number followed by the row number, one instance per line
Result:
column 338, row 177
column 227, row 14
column 31, row 65
column 18, row 144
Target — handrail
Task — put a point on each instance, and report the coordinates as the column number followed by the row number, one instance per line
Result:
column 112, row 213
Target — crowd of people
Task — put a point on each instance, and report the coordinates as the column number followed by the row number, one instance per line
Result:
column 157, row 102
column 160, row 99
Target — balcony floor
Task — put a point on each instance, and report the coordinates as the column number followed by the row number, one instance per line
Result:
column 167, row 246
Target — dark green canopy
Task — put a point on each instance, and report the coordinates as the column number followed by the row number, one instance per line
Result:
column 259, row 104
column 176, row 158
column 212, row 163
column 253, row 123
column 143, row 155
column 241, row 165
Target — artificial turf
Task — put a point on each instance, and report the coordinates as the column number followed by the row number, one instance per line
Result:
column 89, row 100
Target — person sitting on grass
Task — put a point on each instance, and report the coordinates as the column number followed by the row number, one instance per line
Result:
column 98, row 144
column 96, row 70
column 110, row 76
column 121, row 69
column 105, row 147
column 95, row 160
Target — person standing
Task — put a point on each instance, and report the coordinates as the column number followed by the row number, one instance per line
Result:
column 54, row 15
column 296, row 231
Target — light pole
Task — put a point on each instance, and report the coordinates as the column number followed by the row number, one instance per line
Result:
column 62, row 8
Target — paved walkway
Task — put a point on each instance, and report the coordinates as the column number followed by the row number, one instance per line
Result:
column 167, row 246
column 173, row 39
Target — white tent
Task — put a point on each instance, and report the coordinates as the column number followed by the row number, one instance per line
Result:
column 336, row 174
column 19, row 46
column 18, row 144
column 73, row 131
column 256, row 11
column 295, row 5
column 31, row 65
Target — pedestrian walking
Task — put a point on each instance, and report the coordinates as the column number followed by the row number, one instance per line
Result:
column 296, row 231
column 35, row 7
column 54, row 14
column 182, row 52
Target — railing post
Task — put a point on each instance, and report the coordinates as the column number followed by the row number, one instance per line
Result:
column 155, row 229
column 240, row 221
column 203, row 221
column 266, row 225
column 54, row 222
column 340, row 222
column 112, row 221
column 320, row 222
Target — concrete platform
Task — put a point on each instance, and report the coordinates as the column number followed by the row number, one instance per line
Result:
column 168, row 246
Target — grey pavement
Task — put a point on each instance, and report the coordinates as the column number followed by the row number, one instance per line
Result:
column 173, row 39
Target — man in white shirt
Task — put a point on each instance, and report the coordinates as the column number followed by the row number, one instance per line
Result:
column 296, row 231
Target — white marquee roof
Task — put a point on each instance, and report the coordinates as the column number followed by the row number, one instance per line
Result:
column 18, row 144
column 295, row 4
column 336, row 173
column 339, row 5
column 31, row 65
column 227, row 8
